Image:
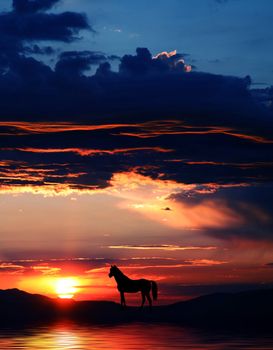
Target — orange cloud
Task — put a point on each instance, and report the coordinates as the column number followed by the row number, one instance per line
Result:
column 176, row 127
column 90, row 152
column 46, row 127
column 146, row 129
column 148, row 197
column 49, row 189
column 168, row 247
column 206, row 262
column 46, row 269
column 9, row 266
column 165, row 54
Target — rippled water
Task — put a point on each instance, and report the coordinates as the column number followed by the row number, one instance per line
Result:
column 134, row 336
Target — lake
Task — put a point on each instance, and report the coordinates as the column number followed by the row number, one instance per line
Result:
column 64, row 336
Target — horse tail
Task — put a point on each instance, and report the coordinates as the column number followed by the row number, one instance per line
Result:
column 154, row 290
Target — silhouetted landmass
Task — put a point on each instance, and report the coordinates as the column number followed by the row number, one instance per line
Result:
column 20, row 307
column 245, row 310
column 250, row 309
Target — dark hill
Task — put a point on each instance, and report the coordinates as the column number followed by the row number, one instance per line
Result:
column 250, row 309
column 253, row 309
column 20, row 307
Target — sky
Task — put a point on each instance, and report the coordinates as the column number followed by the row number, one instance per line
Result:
column 139, row 136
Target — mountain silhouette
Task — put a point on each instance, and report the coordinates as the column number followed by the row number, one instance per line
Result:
column 244, row 310
column 21, row 307
column 249, row 309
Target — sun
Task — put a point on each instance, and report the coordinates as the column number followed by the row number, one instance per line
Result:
column 66, row 287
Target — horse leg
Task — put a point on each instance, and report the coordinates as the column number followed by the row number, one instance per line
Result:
column 122, row 299
column 143, row 299
column 149, row 299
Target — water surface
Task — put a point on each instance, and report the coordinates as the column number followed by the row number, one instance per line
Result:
column 64, row 336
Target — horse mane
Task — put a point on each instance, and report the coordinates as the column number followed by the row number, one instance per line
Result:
column 120, row 273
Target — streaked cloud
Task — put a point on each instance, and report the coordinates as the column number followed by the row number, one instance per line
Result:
column 10, row 267
column 160, row 247
column 24, row 127
column 46, row 269
column 90, row 152
column 206, row 262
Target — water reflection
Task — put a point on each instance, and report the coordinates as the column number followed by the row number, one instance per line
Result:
column 64, row 336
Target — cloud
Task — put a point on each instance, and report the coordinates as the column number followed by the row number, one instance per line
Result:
column 165, row 146
column 205, row 262
column 73, row 62
column 194, row 290
column 27, row 127
column 143, row 63
column 46, row 270
column 57, row 27
column 252, row 204
column 10, row 267
column 90, row 152
column 169, row 247
column 30, row 6
column 81, row 126
column 147, row 196
column 28, row 22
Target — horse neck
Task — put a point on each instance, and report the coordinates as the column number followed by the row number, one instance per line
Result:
column 120, row 277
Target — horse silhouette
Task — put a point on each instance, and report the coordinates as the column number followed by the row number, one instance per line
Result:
column 127, row 285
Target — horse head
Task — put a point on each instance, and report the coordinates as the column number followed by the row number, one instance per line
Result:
column 113, row 270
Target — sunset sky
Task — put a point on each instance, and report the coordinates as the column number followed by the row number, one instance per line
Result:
column 138, row 134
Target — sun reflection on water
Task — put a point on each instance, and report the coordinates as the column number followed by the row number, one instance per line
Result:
column 69, row 336
column 67, row 340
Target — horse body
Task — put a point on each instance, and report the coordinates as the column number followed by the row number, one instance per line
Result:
column 127, row 285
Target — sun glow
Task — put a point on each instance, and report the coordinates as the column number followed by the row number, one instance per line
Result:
column 66, row 287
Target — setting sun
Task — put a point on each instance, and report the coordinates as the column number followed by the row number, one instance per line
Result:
column 66, row 287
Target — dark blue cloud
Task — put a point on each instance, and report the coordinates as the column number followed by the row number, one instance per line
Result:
column 74, row 62
column 27, row 22
column 210, row 122
column 30, row 6
column 42, row 26
column 144, row 63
